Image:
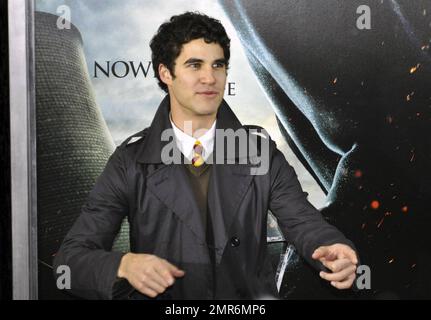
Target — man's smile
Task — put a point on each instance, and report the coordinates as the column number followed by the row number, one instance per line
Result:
column 209, row 93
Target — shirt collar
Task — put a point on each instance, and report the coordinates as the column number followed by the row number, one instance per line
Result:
column 185, row 142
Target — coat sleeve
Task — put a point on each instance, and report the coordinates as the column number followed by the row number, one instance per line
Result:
column 86, row 249
column 301, row 223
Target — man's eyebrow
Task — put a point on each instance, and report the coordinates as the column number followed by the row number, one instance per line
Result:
column 197, row 60
column 221, row 60
column 193, row 60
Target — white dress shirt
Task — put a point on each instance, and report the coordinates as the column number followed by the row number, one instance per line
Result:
column 186, row 142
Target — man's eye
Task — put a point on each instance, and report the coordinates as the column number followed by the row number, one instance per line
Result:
column 218, row 65
column 194, row 65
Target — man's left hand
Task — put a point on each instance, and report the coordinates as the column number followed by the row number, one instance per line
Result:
column 341, row 260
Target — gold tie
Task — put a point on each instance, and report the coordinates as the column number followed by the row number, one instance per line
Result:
column 197, row 159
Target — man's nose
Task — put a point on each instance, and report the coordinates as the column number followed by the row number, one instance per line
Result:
column 207, row 76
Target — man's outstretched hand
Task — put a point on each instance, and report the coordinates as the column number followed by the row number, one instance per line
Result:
column 341, row 260
column 148, row 273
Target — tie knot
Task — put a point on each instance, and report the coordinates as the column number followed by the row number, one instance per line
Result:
column 198, row 149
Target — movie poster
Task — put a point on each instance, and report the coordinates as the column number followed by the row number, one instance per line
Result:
column 341, row 86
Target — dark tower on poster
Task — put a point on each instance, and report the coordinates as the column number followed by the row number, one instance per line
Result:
column 73, row 141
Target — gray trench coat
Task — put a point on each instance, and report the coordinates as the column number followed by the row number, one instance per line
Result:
column 165, row 221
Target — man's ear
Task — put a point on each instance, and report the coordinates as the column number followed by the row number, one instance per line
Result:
column 165, row 74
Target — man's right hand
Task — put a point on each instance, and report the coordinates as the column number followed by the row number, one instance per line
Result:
column 148, row 273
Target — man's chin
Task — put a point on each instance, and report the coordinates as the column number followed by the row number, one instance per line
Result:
column 206, row 113
column 207, row 110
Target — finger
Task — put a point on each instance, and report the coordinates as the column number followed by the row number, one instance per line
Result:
column 165, row 273
column 149, row 280
column 352, row 256
column 146, row 291
column 337, row 265
column 331, row 255
column 163, row 277
column 338, row 276
column 345, row 251
column 176, row 272
column 344, row 284
column 320, row 252
column 151, row 284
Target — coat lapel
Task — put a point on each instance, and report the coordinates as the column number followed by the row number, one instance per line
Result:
column 169, row 183
column 171, row 186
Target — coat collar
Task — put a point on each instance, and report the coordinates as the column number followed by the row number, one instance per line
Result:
column 151, row 149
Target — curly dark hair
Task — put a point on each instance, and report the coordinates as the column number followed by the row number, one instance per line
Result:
column 167, row 43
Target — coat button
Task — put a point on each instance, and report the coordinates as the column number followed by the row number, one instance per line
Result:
column 234, row 242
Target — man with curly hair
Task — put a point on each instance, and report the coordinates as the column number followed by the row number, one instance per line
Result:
column 197, row 228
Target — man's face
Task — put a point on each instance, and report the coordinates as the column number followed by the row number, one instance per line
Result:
column 200, row 77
